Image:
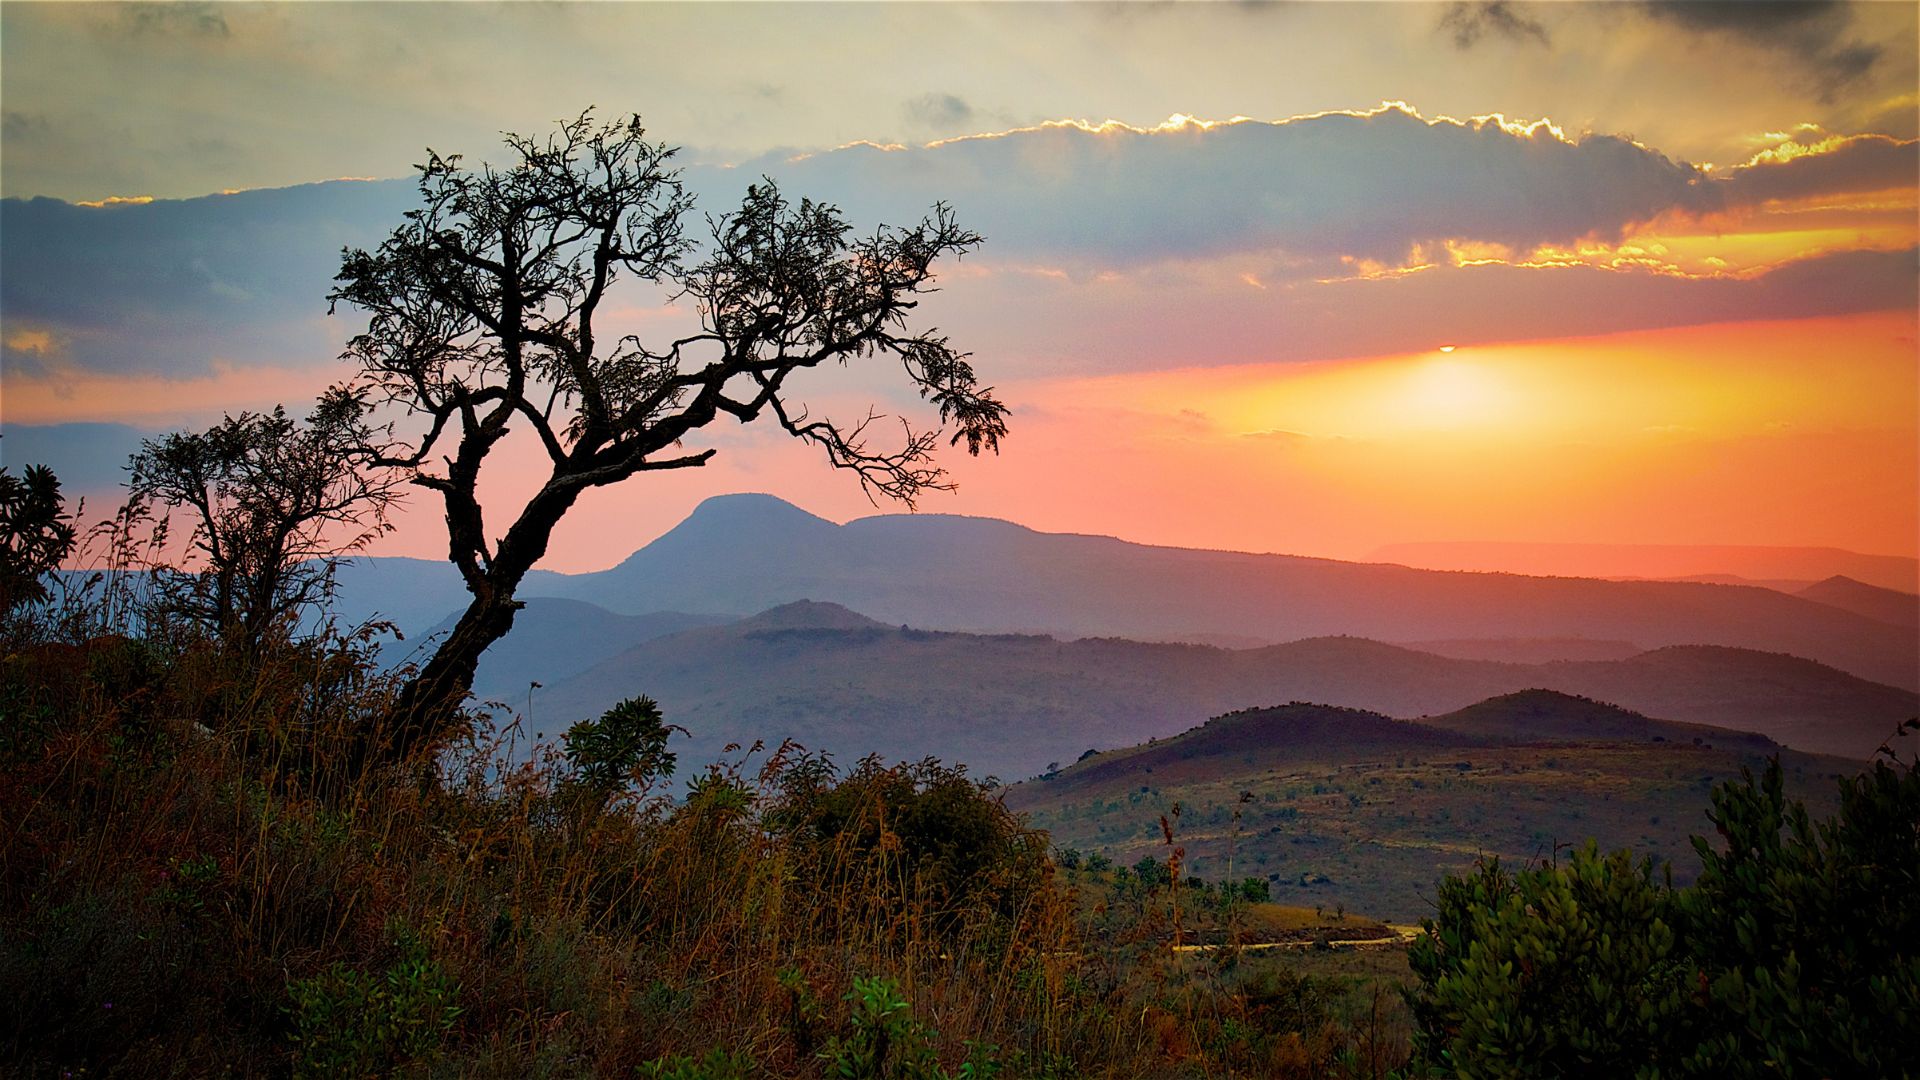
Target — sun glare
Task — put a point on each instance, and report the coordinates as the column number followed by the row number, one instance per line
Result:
column 1450, row 394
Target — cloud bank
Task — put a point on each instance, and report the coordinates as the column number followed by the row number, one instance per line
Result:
column 1249, row 222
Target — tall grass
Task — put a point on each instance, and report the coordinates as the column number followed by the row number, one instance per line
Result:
column 193, row 883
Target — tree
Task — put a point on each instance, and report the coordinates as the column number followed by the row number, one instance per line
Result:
column 487, row 312
column 268, row 497
column 35, row 534
column 627, row 745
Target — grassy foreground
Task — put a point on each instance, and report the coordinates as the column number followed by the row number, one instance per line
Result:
column 191, row 885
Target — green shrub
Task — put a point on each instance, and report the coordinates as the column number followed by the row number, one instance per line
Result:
column 1793, row 954
column 718, row 1064
column 349, row 1022
column 626, row 746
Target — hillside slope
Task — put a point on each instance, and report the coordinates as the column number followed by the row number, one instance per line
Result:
column 1343, row 807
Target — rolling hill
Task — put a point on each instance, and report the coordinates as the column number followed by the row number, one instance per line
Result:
column 1890, row 606
column 1008, row 704
column 1348, row 807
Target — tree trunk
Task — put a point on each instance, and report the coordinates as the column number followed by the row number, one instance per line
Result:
column 424, row 714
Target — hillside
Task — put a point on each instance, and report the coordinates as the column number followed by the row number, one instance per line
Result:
column 1890, row 606
column 1551, row 716
column 1009, row 704
column 1342, row 807
column 740, row 554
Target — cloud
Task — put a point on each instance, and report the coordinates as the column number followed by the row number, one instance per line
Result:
column 1837, row 166
column 1370, row 185
column 1170, row 245
column 1469, row 23
column 1810, row 32
column 939, row 112
column 16, row 125
column 86, row 457
column 1192, row 316
column 177, row 286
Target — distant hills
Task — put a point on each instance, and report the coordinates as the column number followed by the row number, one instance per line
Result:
column 1009, row 704
column 1661, row 561
column 740, row 554
column 1349, row 806
column 1890, row 606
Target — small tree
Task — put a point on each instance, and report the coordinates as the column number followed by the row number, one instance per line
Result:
column 269, row 499
column 626, row 745
column 487, row 312
column 35, row 534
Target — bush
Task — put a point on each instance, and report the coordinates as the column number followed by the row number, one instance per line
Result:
column 355, row 1023
column 1794, row 953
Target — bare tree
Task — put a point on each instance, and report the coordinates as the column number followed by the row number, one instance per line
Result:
column 274, row 504
column 485, row 314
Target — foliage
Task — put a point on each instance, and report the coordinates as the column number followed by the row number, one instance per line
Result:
column 36, row 533
column 717, row 1064
column 1552, row 971
column 1794, row 952
column 1806, row 933
column 268, row 498
column 626, row 746
column 355, row 1023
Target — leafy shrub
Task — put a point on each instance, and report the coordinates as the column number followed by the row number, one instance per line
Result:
column 718, row 1064
column 355, row 1023
column 1794, row 953
column 36, row 533
column 627, row 745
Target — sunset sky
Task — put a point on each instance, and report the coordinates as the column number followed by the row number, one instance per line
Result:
column 1312, row 278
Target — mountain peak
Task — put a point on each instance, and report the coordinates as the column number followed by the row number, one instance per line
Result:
column 752, row 508
column 809, row 615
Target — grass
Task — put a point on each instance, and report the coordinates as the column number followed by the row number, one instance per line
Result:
column 191, row 885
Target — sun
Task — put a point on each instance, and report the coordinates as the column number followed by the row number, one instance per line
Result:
column 1451, row 393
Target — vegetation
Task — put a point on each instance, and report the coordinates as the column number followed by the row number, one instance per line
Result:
column 267, row 498
column 1794, row 954
column 1325, row 812
column 199, row 879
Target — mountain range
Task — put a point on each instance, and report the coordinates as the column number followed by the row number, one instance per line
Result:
column 1011, row 704
column 740, row 554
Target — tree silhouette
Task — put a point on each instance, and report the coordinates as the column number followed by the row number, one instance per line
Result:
column 36, row 532
column 268, row 497
column 486, row 312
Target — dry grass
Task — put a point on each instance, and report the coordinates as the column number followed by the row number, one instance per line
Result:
column 189, row 885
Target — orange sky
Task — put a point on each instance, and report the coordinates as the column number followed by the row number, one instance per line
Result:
column 1793, row 433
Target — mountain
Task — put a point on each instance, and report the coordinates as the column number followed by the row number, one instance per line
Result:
column 1008, row 704
column 416, row 595
column 1890, row 606
column 1342, row 806
column 1660, row 561
column 744, row 553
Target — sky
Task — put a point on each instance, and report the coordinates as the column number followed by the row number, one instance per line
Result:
column 1312, row 278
